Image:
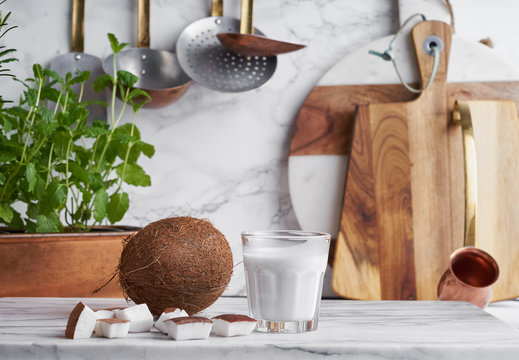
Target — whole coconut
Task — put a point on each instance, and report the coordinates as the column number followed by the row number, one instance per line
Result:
column 180, row 262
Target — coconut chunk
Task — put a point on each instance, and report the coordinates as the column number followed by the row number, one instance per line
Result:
column 140, row 317
column 168, row 313
column 102, row 314
column 189, row 327
column 233, row 325
column 113, row 328
column 81, row 322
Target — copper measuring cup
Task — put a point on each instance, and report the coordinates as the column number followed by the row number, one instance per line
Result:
column 471, row 271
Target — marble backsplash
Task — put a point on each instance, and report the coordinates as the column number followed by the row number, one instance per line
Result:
column 223, row 156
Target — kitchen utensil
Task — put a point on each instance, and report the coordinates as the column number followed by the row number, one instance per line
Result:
column 471, row 271
column 249, row 44
column 469, row 277
column 322, row 133
column 210, row 64
column 76, row 60
column 158, row 70
column 393, row 230
column 284, row 271
column 491, row 143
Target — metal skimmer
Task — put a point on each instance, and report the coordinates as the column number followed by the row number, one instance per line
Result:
column 208, row 62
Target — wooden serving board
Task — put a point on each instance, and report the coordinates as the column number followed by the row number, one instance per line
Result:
column 496, row 136
column 322, row 135
column 399, row 215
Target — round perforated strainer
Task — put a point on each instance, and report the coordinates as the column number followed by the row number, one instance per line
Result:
column 208, row 62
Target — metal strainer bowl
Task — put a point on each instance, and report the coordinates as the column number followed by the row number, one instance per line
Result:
column 208, row 62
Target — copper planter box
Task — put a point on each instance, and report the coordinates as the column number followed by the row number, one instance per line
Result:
column 61, row 265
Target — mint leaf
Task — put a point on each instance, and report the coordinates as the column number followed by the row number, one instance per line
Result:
column 101, row 82
column 54, row 197
column 117, row 207
column 78, row 172
column 6, row 213
column 38, row 71
column 138, row 98
column 48, row 129
column 95, row 131
column 31, row 175
column 46, row 114
column 6, row 156
column 47, row 223
column 133, row 175
column 114, row 43
column 127, row 78
column 48, row 92
column 147, row 149
column 127, row 129
column 81, row 77
column 96, row 181
column 60, row 139
column 33, row 210
column 87, row 195
column 100, row 203
column 17, row 222
column 77, row 112
column 30, row 96
column 2, row 179
column 53, row 75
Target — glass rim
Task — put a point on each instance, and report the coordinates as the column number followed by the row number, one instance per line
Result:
column 286, row 234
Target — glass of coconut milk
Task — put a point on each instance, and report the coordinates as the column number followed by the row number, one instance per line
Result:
column 284, row 271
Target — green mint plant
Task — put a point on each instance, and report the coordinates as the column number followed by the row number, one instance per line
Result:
column 69, row 174
column 5, row 53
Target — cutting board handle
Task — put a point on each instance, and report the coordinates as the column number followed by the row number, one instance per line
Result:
column 432, row 33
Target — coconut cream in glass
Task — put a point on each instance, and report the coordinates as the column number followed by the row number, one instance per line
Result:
column 284, row 272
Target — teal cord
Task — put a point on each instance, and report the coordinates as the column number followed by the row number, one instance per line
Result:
column 387, row 55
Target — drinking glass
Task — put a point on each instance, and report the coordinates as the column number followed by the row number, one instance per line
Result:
column 284, row 271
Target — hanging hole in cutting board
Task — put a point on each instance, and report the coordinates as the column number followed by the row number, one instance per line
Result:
column 430, row 43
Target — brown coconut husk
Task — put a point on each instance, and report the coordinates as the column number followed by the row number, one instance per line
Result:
column 180, row 262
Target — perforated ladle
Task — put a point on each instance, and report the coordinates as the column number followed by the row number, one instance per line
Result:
column 209, row 63
column 249, row 43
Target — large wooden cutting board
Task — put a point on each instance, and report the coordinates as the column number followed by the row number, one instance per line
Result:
column 322, row 133
column 399, row 218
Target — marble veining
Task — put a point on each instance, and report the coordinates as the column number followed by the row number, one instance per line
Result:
column 33, row 328
column 218, row 155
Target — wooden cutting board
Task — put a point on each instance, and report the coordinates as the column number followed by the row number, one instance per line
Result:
column 398, row 222
column 495, row 127
column 322, row 133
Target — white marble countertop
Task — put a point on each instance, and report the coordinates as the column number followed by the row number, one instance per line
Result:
column 33, row 328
